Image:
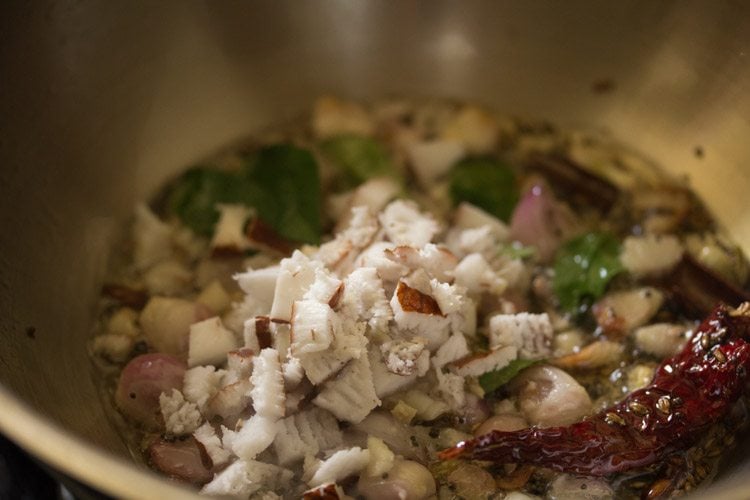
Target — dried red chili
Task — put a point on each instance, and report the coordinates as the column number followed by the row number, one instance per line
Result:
column 689, row 393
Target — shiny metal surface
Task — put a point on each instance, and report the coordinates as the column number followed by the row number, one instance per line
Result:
column 101, row 101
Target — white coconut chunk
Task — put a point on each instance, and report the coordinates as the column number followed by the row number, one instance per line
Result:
column 468, row 216
column 230, row 401
column 374, row 256
column 240, row 312
column 229, row 233
column 480, row 240
column 293, row 373
column 386, row 382
column 351, row 394
column 260, row 284
column 112, row 346
column 428, row 408
column 400, row 356
column 257, row 434
column 375, row 193
column 339, row 253
column 350, row 343
column 215, row 297
column 364, row 299
column 296, row 274
column 341, row 465
column 281, row 335
column 180, row 416
column 650, row 255
column 245, row 477
column 431, row 160
column 531, row 334
column 452, row 349
column 151, row 238
column 478, row 364
column 475, row 128
column 314, row 326
column 168, row 277
column 239, row 365
column 306, row 433
column 451, row 389
column 124, row 322
column 326, row 288
column 268, row 385
column 209, row 342
column 201, row 383
column 404, row 224
column 437, row 261
column 332, row 116
column 166, row 323
column 420, row 314
column 476, row 274
column 257, row 333
column 206, row 435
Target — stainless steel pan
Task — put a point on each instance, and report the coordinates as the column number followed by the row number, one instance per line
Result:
column 102, row 101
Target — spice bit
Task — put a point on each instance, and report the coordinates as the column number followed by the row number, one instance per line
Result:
column 719, row 355
column 638, row 408
column 663, row 405
column 613, row 418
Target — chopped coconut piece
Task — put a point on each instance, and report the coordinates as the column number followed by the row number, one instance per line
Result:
column 230, row 401
column 480, row 240
column 260, row 284
column 351, row 395
column 531, row 334
column 296, row 274
column 293, row 373
column 201, row 383
column 115, row 347
column 420, row 314
column 452, row 349
column 375, row 194
column 375, row 257
column 364, row 299
column 209, row 342
column 306, row 433
column 257, row 434
column 451, row 389
column 332, row 116
column 268, row 385
column 381, row 457
column 468, row 216
column 314, row 326
column 404, row 224
column 433, row 159
column 257, row 333
column 243, row 478
column 341, row 465
column 475, row 273
column 151, row 238
column 401, row 356
column 651, row 254
column 239, row 365
column 437, row 261
column 326, row 288
column 428, row 408
column 206, row 435
column 215, row 297
column 168, row 277
column 387, row 382
column 235, row 319
column 475, row 128
column 180, row 416
column 340, row 252
column 478, row 364
column 229, row 233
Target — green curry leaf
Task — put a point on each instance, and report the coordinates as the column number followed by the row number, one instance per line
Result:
column 281, row 183
column 584, row 266
column 492, row 381
column 486, row 183
column 358, row 159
